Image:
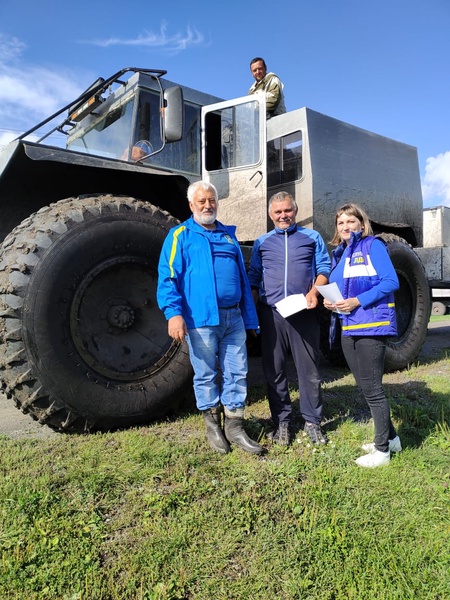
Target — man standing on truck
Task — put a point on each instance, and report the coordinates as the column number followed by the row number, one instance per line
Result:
column 206, row 298
column 270, row 84
column 290, row 260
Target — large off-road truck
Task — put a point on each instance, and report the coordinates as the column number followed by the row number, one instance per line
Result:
column 83, row 345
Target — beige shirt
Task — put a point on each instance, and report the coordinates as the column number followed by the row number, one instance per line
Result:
column 272, row 85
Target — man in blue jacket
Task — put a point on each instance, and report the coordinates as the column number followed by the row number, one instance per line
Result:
column 290, row 260
column 204, row 293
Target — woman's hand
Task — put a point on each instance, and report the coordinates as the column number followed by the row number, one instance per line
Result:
column 347, row 305
column 328, row 305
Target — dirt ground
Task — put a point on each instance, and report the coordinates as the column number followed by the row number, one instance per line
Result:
column 14, row 424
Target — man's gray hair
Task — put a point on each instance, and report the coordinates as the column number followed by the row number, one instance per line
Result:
column 279, row 197
column 201, row 185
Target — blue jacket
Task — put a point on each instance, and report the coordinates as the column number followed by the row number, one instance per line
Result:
column 186, row 282
column 364, row 270
column 287, row 261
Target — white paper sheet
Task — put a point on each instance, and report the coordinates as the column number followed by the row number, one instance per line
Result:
column 332, row 293
column 291, row 304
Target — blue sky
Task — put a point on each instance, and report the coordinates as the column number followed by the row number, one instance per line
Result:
column 383, row 66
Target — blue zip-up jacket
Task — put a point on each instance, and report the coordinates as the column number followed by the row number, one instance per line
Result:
column 287, row 261
column 186, row 282
column 364, row 270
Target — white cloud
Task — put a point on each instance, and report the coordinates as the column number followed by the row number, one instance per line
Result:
column 48, row 92
column 10, row 48
column 168, row 43
column 436, row 182
column 30, row 93
column 7, row 136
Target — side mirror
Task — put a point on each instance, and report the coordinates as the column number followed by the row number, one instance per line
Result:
column 173, row 114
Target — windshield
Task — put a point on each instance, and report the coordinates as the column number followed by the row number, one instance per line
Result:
column 132, row 130
column 110, row 135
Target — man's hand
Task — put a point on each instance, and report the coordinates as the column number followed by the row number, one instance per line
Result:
column 311, row 300
column 177, row 328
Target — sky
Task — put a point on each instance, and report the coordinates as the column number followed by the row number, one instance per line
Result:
column 383, row 66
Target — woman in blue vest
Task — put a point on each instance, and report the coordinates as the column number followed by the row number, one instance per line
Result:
column 364, row 273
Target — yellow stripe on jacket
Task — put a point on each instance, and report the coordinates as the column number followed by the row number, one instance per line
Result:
column 365, row 325
column 374, row 324
column 173, row 250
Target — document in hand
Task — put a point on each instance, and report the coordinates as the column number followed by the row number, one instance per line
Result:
column 291, row 304
column 332, row 293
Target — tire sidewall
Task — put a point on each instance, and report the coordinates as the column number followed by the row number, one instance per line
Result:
column 135, row 235
column 413, row 306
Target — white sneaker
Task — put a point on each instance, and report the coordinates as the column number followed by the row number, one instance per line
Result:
column 374, row 459
column 394, row 445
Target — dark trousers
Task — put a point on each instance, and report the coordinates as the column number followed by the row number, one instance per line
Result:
column 365, row 357
column 300, row 334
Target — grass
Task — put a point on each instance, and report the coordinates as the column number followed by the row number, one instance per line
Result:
column 438, row 318
column 151, row 513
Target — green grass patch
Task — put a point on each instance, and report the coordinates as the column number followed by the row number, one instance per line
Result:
column 439, row 318
column 152, row 513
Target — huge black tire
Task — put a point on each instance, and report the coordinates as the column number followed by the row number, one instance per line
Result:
column 83, row 343
column 412, row 305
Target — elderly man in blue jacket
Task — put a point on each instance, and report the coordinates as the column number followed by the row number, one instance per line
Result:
column 290, row 260
column 205, row 295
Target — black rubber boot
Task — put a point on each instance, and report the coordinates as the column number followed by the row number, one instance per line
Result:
column 234, row 432
column 214, row 433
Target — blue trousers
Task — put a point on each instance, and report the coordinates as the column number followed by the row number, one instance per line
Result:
column 218, row 355
column 299, row 334
column 365, row 357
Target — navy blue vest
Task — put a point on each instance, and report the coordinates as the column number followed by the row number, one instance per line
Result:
column 360, row 276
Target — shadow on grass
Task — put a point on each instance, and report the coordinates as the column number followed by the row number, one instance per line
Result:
column 415, row 408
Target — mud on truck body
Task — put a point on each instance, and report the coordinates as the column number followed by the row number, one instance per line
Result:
column 83, row 345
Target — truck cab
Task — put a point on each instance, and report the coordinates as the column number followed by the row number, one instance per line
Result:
column 154, row 115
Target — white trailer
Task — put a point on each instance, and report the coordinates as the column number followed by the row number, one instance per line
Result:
column 436, row 256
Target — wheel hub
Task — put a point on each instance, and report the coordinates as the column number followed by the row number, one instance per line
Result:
column 115, row 323
column 121, row 316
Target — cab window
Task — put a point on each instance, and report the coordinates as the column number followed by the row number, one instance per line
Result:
column 284, row 159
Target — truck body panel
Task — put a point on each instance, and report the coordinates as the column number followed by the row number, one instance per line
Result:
column 349, row 164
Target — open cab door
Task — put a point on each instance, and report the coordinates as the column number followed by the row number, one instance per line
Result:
column 234, row 160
